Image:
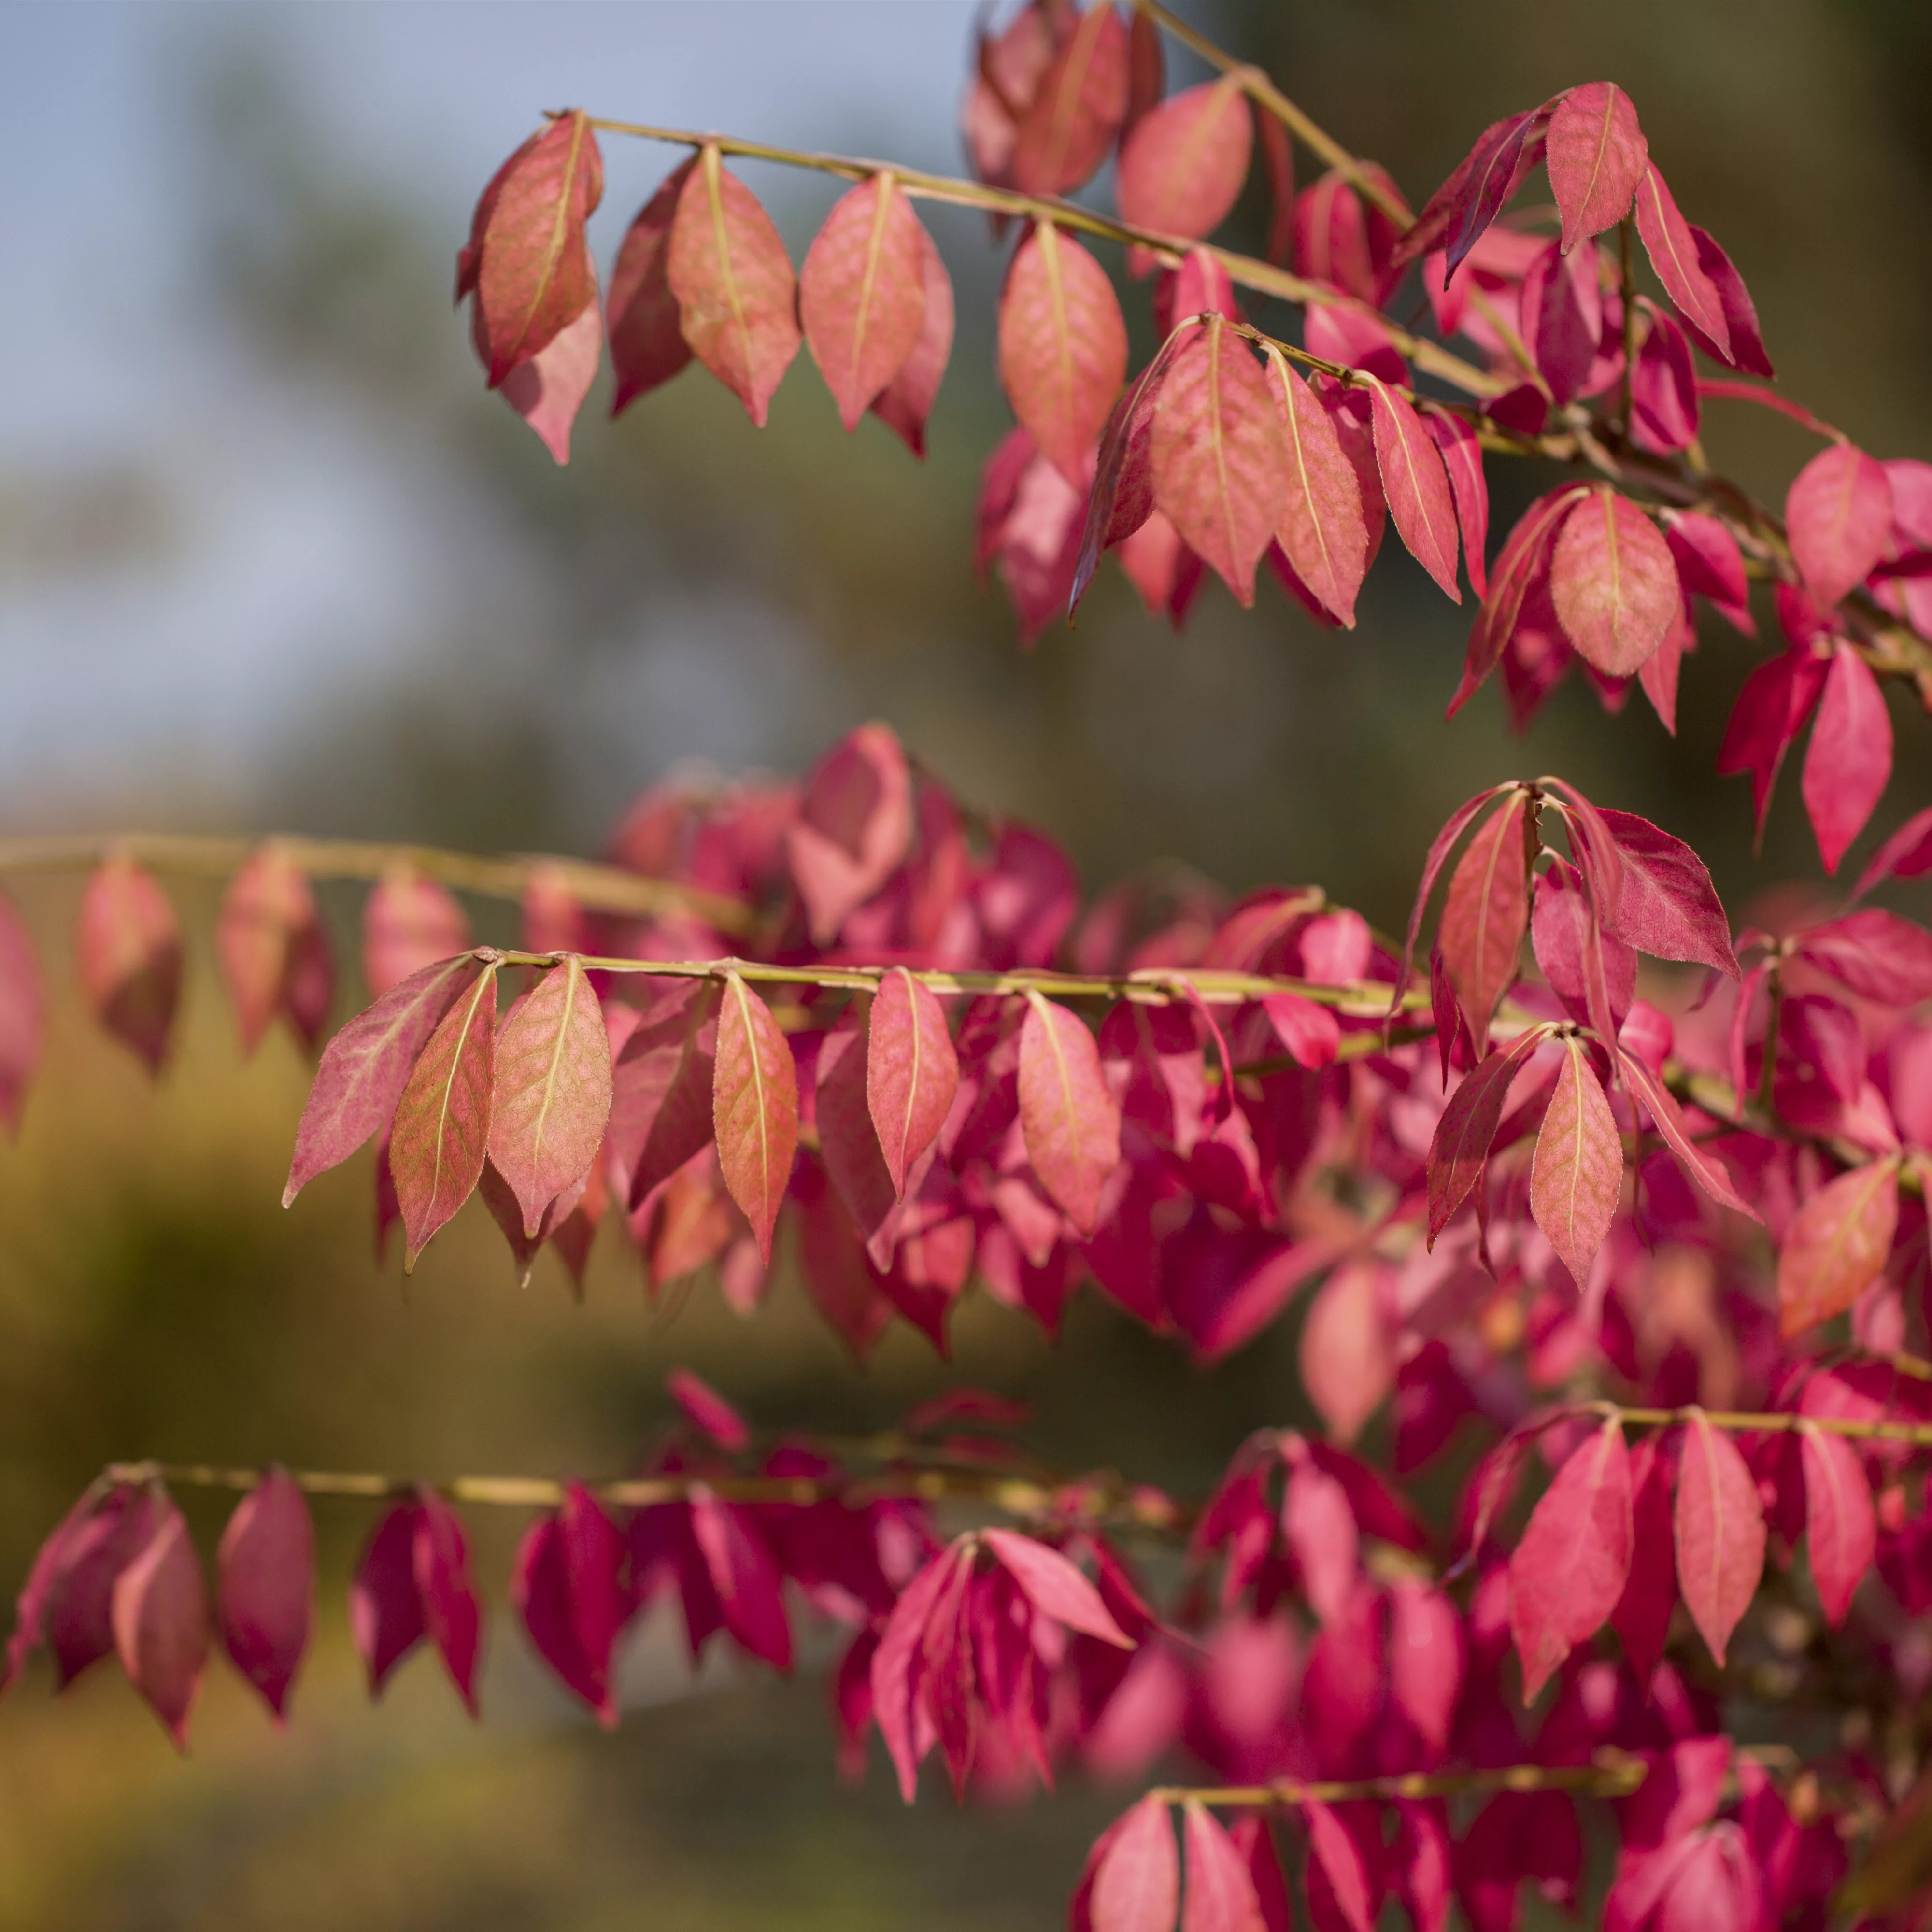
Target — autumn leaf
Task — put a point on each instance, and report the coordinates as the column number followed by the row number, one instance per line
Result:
column 442, row 1126
column 861, row 293
column 1719, row 1532
column 754, row 1107
column 1070, row 1120
column 1837, row 1244
column 1578, row 1172
column 1063, row 347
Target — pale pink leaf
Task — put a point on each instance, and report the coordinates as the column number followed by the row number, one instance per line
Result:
column 1719, row 1532
column 1070, row 1120
column 1578, row 1172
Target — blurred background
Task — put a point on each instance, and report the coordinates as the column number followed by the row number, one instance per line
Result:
column 271, row 558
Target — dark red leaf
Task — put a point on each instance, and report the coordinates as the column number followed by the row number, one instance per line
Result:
column 22, row 1014
column 160, row 1623
column 1461, row 1145
column 441, row 1132
column 1642, row 1617
column 1485, row 916
column 266, row 1587
column 647, row 344
column 452, row 1616
column 1666, row 905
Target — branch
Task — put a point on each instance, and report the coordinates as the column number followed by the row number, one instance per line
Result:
column 1100, row 1500
column 598, row 888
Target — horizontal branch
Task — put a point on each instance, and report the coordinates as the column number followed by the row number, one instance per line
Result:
column 1767, row 1422
column 1134, row 1507
column 597, row 888
column 1611, row 1773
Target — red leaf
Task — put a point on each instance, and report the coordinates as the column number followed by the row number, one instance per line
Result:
column 1458, row 213
column 905, row 403
column 1596, row 154
column 1642, row 1617
column 1055, row 1588
column 127, row 948
column 1578, row 1175
column 441, row 1131
column 755, row 1107
column 1878, row 955
column 567, row 1585
column 1219, row 460
column 1220, row 1895
column 750, row 1589
column 1468, row 1123
column 1137, row 1883
column 1838, row 513
column 1523, row 568
column 853, row 826
column 1347, row 1355
column 1770, row 711
column 1710, row 564
column 1443, row 843
column 451, row 1615
column 737, row 298
column 861, row 293
column 1182, row 168
column 1836, row 1246
column 1122, row 498
column 1311, row 1033
column 1416, row 485
column 1664, row 410
column 1066, row 132
column 912, row 1072
column 469, row 257
column 1335, row 1860
column 1562, row 310
column 385, row 1612
column 647, row 344
column 1613, row 582
column 23, row 1018
column 534, row 276
column 661, row 1093
column 1849, row 763
column 265, row 1586
column 408, row 922
column 898, row 1668
column 1672, row 247
column 1462, row 458
column 550, row 1096
column 1841, row 1527
column 79, row 1605
column 1071, row 1124
column 160, row 1623
column 50, row 1562
column 708, row 1410
column 848, row 1141
column 1719, row 1532
column 1567, row 1573
column 548, row 389
column 1322, row 528
column 1486, row 915
column 1705, row 1169
column 1666, row 905
column 1063, row 347
column 367, row 1065
column 267, row 904
column 1747, row 344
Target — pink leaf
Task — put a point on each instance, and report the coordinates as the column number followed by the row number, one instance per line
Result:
column 265, row 1586
column 1063, row 347
column 647, row 344
column 548, row 389
column 750, row 1589
column 1666, row 905
column 452, row 1616
column 1906, row 854
column 1485, row 916
column 567, row 1585
column 1137, row 1883
column 1460, row 1147
column 1347, row 1353
column 1613, row 582
column 912, row 1072
column 1335, row 1861
column 1311, row 1033
column 1579, row 1171
column 1642, row 1617
column 1462, row 457
column 550, row 1095
column 1182, row 168
column 1320, row 1529
column 79, row 1604
column 755, row 1107
column 708, row 1410
column 441, row 1132
column 861, row 293
column 897, row 1668
column 1720, row 1532
column 1219, row 461
column 1562, row 309
column 1416, row 485
column 1596, row 154
column 1567, row 1573
column 1838, row 513
column 737, row 297
column 127, row 950
column 1740, row 312
column 1065, row 131
column 854, row 826
column 1849, row 763
column 22, row 1014
column 661, row 1087
column 1836, row 1245
column 409, row 922
column 1671, row 245
column 1841, row 1527
column 160, row 1623
column 905, row 403
column 267, row 904
column 1070, row 1121
column 1055, row 1588
column 1710, row 564
column 1704, row 1169
column 1322, row 529
column 1220, row 1894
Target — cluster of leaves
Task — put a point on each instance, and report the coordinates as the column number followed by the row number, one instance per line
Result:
column 1217, row 455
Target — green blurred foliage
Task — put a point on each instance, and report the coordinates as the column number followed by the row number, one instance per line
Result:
column 154, row 1300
